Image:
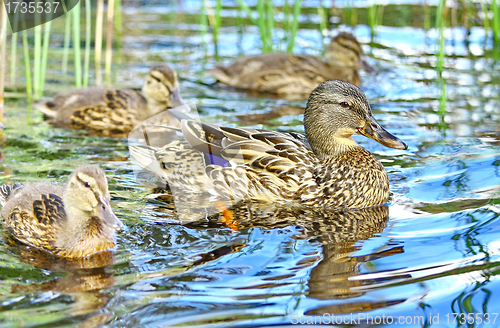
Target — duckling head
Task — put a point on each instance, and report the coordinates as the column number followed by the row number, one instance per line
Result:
column 345, row 51
column 335, row 111
column 162, row 88
column 87, row 196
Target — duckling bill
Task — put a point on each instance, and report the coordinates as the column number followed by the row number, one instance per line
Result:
column 323, row 168
column 74, row 222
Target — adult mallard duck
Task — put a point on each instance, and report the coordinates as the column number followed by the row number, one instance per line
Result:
column 114, row 112
column 326, row 167
column 74, row 222
column 296, row 75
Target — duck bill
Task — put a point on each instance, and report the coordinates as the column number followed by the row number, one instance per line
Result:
column 175, row 97
column 375, row 131
column 363, row 64
column 106, row 214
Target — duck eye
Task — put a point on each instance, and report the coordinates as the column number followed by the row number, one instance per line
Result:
column 344, row 104
column 87, row 184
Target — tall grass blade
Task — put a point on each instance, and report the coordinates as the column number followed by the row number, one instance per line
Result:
column 109, row 41
column 86, row 59
column 76, row 45
column 216, row 27
column 286, row 20
column 118, row 24
column 98, row 41
column 13, row 61
column 67, row 38
column 248, row 11
column 295, row 25
column 496, row 22
column 27, row 67
column 261, row 25
column 37, row 60
column 269, row 24
column 3, row 47
column 45, row 52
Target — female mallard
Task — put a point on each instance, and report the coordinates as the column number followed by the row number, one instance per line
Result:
column 296, row 74
column 75, row 222
column 326, row 167
column 114, row 112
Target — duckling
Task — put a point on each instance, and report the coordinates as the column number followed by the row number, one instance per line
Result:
column 74, row 222
column 325, row 167
column 114, row 112
column 297, row 75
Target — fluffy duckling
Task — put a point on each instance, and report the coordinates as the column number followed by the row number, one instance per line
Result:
column 324, row 168
column 114, row 112
column 74, row 222
column 286, row 74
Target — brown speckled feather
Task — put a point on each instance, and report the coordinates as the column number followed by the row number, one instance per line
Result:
column 113, row 112
column 38, row 216
column 325, row 169
column 296, row 76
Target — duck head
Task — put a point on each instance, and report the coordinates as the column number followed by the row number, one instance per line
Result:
column 345, row 51
column 87, row 192
column 162, row 88
column 335, row 111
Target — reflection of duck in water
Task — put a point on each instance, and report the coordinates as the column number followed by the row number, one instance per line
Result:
column 74, row 222
column 114, row 112
column 325, row 168
column 339, row 233
column 82, row 280
column 296, row 75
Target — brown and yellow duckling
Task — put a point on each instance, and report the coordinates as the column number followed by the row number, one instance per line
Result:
column 296, row 75
column 325, row 168
column 74, row 222
column 114, row 112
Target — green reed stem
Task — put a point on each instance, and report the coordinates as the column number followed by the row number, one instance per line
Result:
column 322, row 20
column 45, row 52
column 86, row 60
column 262, row 25
column 118, row 24
column 286, row 20
column 98, row 41
column 486, row 20
column 67, row 37
column 248, row 11
column 496, row 22
column 76, row 45
column 372, row 17
column 216, row 27
column 3, row 47
column 269, row 24
column 27, row 67
column 439, row 13
column 204, row 24
column 295, row 25
column 37, row 59
column 109, row 41
column 13, row 61
column 427, row 16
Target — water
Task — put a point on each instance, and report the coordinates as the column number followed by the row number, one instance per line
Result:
column 432, row 252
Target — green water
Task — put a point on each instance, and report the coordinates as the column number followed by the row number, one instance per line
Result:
column 433, row 250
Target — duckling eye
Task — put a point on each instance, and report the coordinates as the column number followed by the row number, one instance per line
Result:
column 87, row 184
column 344, row 104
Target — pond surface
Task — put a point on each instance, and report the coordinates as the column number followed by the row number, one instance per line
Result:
column 432, row 252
